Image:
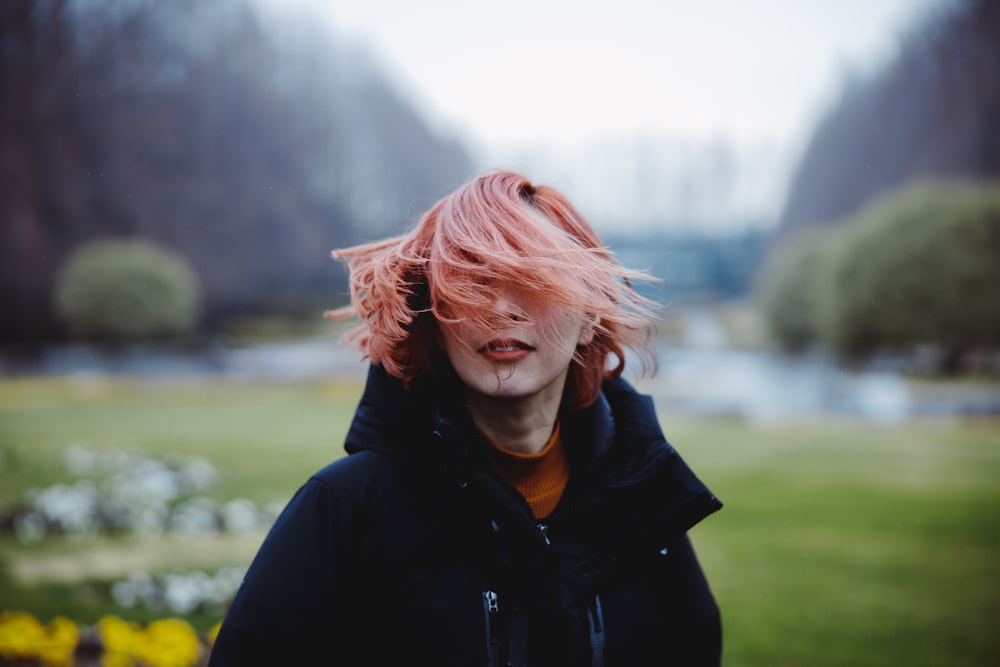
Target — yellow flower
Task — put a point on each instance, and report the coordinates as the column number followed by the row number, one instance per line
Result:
column 169, row 642
column 22, row 636
column 120, row 640
column 62, row 636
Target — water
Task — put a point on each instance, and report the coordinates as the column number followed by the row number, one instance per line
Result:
column 291, row 360
column 701, row 375
column 763, row 386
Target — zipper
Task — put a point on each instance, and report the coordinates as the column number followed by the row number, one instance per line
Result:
column 491, row 607
column 595, row 621
column 543, row 528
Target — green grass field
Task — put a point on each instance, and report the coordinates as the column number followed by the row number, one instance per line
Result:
column 840, row 544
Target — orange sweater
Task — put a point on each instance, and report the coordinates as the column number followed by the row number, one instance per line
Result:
column 541, row 478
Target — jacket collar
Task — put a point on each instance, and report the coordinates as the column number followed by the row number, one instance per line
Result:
column 617, row 441
column 618, row 451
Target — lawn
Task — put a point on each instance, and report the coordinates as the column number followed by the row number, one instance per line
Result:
column 841, row 544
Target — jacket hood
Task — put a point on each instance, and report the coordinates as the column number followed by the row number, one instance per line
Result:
column 392, row 419
column 617, row 438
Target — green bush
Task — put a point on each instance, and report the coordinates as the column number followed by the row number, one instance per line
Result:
column 787, row 285
column 127, row 290
column 920, row 266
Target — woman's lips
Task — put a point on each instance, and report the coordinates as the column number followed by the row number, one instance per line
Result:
column 505, row 350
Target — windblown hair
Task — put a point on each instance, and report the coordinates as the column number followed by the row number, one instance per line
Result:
column 498, row 232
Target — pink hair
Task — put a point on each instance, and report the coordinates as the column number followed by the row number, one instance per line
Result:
column 495, row 232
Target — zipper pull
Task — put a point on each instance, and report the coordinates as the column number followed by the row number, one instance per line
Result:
column 492, row 605
column 544, row 530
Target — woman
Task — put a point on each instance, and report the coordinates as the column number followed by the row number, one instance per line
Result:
column 507, row 499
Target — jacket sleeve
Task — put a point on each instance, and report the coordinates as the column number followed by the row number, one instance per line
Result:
column 295, row 601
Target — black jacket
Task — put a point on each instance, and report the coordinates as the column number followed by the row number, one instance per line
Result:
column 412, row 550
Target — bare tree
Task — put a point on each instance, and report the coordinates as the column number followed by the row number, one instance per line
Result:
column 934, row 112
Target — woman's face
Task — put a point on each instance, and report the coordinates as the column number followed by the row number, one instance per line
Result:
column 517, row 361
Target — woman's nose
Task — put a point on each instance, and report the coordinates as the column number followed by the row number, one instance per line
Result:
column 505, row 307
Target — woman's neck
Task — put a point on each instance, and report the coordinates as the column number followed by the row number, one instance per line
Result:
column 522, row 425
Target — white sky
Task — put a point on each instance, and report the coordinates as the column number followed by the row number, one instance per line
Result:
column 558, row 71
column 619, row 103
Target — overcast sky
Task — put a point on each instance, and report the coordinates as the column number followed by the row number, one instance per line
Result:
column 558, row 71
column 550, row 76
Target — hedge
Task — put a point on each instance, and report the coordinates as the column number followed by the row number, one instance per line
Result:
column 127, row 290
column 918, row 267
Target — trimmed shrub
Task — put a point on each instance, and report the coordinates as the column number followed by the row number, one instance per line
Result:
column 920, row 266
column 787, row 285
column 127, row 290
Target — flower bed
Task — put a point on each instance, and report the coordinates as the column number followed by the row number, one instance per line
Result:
column 129, row 491
column 111, row 642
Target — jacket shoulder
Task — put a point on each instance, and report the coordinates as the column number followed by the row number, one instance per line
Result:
column 354, row 470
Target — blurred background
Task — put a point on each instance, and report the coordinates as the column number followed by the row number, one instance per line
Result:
column 816, row 184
